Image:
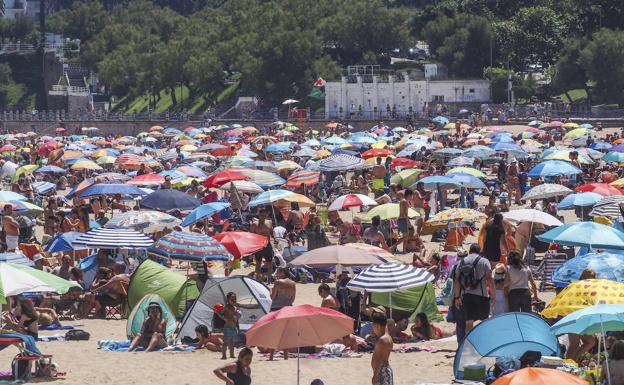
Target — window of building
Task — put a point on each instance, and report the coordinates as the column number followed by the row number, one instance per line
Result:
column 471, row 90
column 438, row 98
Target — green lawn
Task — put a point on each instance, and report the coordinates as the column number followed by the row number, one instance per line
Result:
column 576, row 95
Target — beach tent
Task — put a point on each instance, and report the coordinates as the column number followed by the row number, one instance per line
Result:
column 420, row 299
column 508, row 334
column 153, row 278
column 139, row 314
column 253, row 297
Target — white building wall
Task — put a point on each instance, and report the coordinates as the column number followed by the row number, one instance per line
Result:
column 401, row 95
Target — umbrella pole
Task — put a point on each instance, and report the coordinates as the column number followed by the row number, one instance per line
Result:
column 298, row 358
column 604, row 342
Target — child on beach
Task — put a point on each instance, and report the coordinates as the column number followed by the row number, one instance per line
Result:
column 207, row 340
column 230, row 315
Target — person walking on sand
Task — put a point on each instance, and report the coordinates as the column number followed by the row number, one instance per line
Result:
column 239, row 372
column 382, row 372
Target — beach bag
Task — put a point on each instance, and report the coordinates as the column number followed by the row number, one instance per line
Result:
column 77, row 335
column 448, row 293
column 21, row 369
column 468, row 274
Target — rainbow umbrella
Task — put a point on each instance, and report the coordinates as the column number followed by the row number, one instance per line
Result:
column 190, row 247
column 307, row 177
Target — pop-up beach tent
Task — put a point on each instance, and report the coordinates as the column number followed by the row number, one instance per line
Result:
column 153, row 278
column 420, row 299
column 505, row 335
column 139, row 314
column 253, row 297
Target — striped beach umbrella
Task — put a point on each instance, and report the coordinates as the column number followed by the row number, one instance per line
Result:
column 145, row 221
column 340, row 162
column 307, row 177
column 190, row 247
column 262, row 178
column 389, row 277
column 269, row 197
column 114, row 238
column 608, row 207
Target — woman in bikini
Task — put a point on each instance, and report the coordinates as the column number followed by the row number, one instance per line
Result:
column 239, row 372
column 152, row 334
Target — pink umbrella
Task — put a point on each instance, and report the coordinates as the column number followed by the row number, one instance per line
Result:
column 297, row 326
column 8, row 147
column 351, row 200
column 147, row 179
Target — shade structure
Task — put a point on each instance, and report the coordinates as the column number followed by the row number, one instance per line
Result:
column 466, row 170
column 478, row 152
column 190, row 247
column 340, row 162
column 588, row 234
column 530, row 215
column 17, row 279
column 269, row 197
column 147, row 180
column 539, row 376
column 85, row 165
column 351, row 200
column 16, row 258
column 546, row 190
column 64, row 242
column 297, row 326
column 581, row 294
column 242, row 243
column 111, row 189
column 145, row 221
column 337, row 255
column 387, row 211
column 262, row 178
column 579, row 199
column 376, row 153
column 306, row 177
column 51, row 170
column 222, row 177
column 608, row 207
column 243, row 186
column 603, row 189
column 299, row 199
column 468, row 181
column 460, row 161
column 11, row 196
column 553, row 168
column 437, row 182
column 592, row 320
column 389, row 277
column 204, row 211
column 508, row 334
column 114, row 238
column 607, row 265
column 168, row 199
column 456, row 215
column 406, row 177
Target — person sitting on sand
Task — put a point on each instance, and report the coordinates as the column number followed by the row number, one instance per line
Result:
column 424, row 330
column 208, row 340
column 230, row 314
column 329, row 300
column 239, row 372
column 396, row 329
column 152, row 334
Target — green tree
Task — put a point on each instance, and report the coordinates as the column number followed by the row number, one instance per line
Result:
column 603, row 61
column 567, row 73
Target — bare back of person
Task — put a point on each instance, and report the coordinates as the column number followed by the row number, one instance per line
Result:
column 283, row 293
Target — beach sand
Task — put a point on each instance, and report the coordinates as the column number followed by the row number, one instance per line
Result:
column 85, row 364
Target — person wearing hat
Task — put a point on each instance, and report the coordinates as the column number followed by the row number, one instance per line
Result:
column 152, row 334
column 499, row 276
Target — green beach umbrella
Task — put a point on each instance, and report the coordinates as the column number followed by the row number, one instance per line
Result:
column 466, row 170
column 406, row 177
column 17, row 279
column 24, row 170
column 388, row 211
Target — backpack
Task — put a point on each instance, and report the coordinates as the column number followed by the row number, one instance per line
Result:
column 77, row 335
column 468, row 274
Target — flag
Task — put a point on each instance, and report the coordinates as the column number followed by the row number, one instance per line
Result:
column 317, row 93
column 319, row 83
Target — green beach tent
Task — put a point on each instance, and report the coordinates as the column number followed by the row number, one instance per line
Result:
column 153, row 278
column 139, row 314
column 420, row 299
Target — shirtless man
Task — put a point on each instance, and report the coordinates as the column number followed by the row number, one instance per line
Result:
column 11, row 228
column 403, row 222
column 264, row 226
column 382, row 372
column 329, row 300
column 379, row 172
column 284, row 290
column 420, row 198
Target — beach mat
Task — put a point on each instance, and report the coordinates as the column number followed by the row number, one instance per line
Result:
column 57, row 327
column 53, row 337
column 123, row 345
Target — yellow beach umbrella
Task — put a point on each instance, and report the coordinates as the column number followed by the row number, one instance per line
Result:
column 24, row 170
column 466, row 170
column 85, row 165
column 565, row 156
column 379, row 144
column 71, row 154
column 406, row 177
column 388, row 211
column 577, row 133
column 570, row 126
column 287, row 165
column 455, row 215
column 301, row 200
column 188, row 148
column 618, row 183
column 322, row 153
column 581, row 294
column 106, row 159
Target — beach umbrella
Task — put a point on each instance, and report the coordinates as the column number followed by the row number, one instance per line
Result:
column 534, row 216
column 579, row 199
column 603, row 189
column 551, row 168
column 447, row 152
column 85, row 165
column 510, row 148
column 466, row 170
column 147, row 180
column 546, row 190
column 262, row 178
column 111, row 189
column 287, row 165
column 377, row 153
column 17, row 279
column 468, row 181
column 338, row 255
column 590, row 234
column 204, row 211
column 607, row 265
column 24, row 170
column 8, row 169
column 564, row 155
column 608, row 207
column 145, row 221
column 387, row 211
column 478, row 152
column 296, row 326
column 42, row 188
column 460, row 161
column 536, row 123
column 582, row 294
column 269, row 197
column 51, row 170
column 222, row 177
column 167, row 199
column 539, row 376
column 192, row 171
column 190, row 247
column 113, row 238
column 389, row 277
column 8, row 148
column 305, row 177
column 11, row 196
column 440, row 120
column 242, row 243
column 340, row 162
column 22, row 208
column 437, row 182
column 351, row 200
column 64, row 242
column 300, row 199
column 614, row 157
column 106, row 160
column 17, row 259
column 242, row 186
column 455, row 215
column 406, row 177
column 600, row 145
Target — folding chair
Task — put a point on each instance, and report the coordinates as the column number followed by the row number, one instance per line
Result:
column 548, row 266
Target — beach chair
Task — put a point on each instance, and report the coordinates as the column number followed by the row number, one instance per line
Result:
column 548, row 266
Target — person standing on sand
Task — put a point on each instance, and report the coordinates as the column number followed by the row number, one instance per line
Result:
column 403, row 222
column 382, row 372
column 284, row 290
column 11, row 228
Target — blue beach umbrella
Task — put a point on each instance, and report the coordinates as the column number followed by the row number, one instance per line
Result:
column 440, row 120
column 111, row 189
column 614, row 157
column 553, row 168
column 607, row 265
column 590, row 234
column 269, row 197
column 204, row 211
column 167, row 199
column 595, row 319
column 64, row 242
column 579, row 199
column 190, row 247
column 600, row 145
column 51, row 169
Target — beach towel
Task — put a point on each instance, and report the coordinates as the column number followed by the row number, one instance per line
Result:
column 29, row 342
column 123, row 345
column 53, row 337
column 58, row 327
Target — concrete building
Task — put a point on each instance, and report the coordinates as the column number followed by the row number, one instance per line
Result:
column 14, row 9
column 377, row 95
